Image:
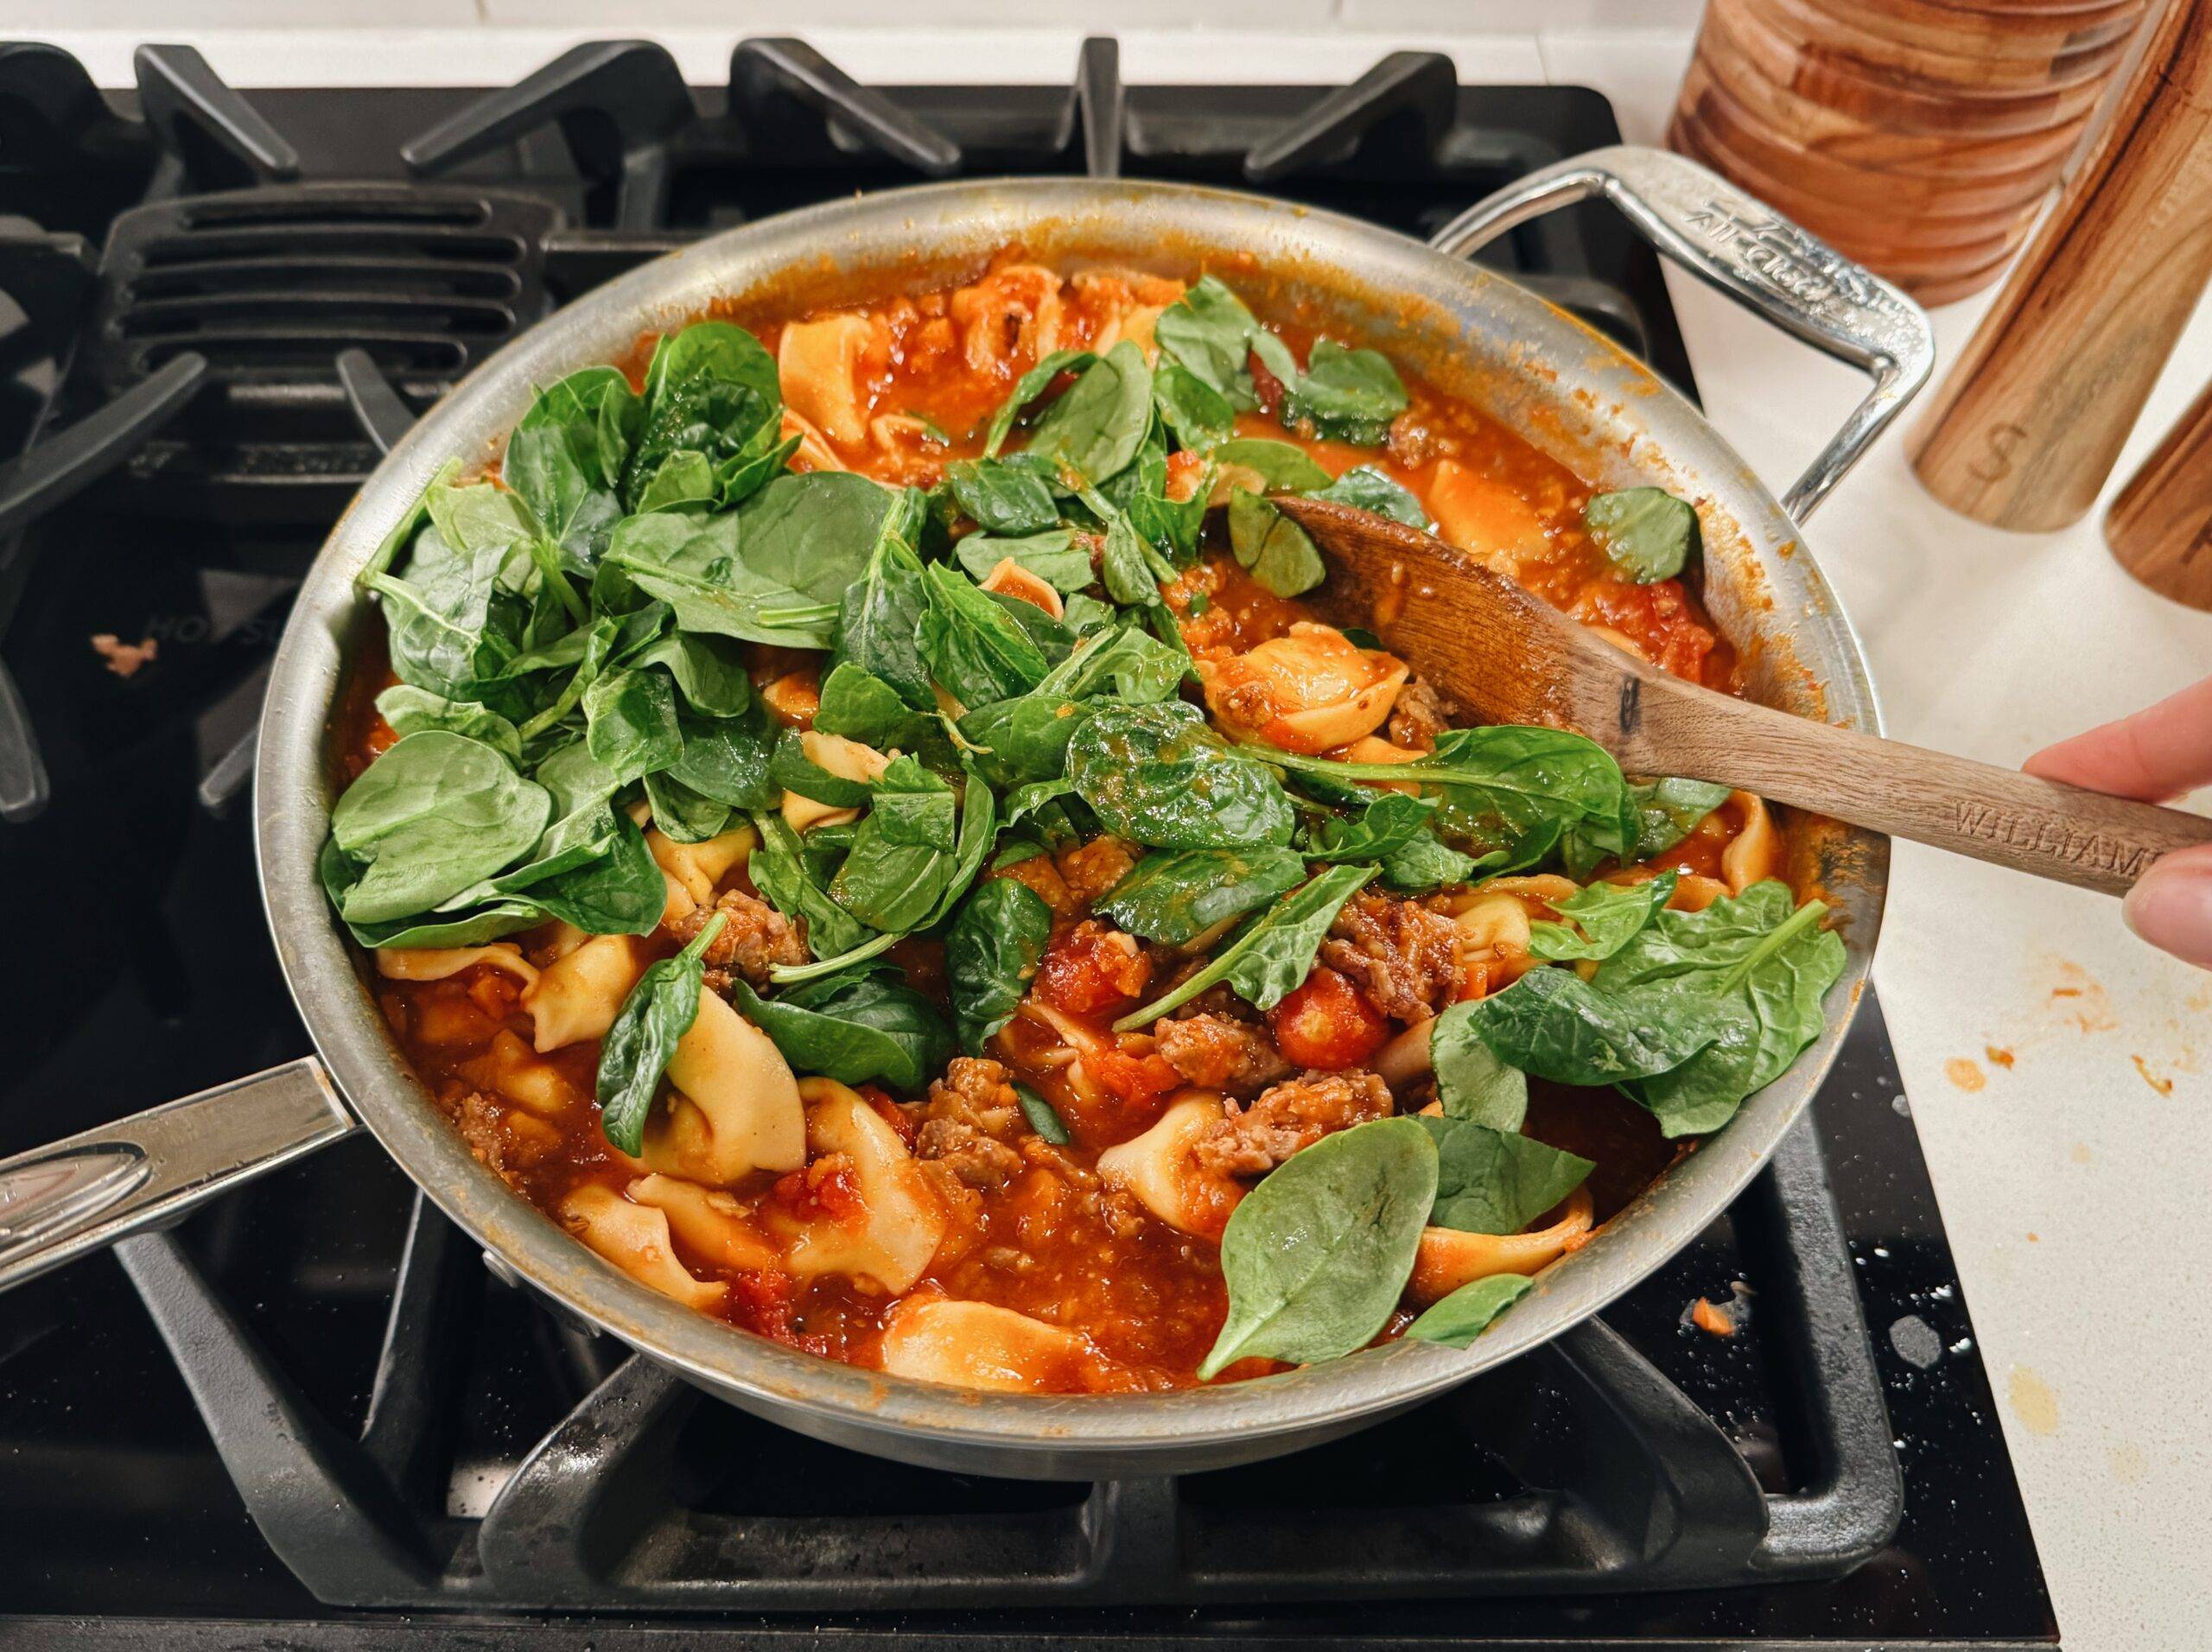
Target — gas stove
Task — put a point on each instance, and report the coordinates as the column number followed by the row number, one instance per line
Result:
column 310, row 1417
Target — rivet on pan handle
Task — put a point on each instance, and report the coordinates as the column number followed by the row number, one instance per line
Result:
column 61, row 1202
column 1737, row 244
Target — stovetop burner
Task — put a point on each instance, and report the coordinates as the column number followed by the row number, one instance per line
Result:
column 337, row 1426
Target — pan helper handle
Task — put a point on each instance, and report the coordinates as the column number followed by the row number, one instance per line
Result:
column 1737, row 244
column 81, row 1195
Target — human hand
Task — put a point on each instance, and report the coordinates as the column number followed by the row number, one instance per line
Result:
column 2156, row 754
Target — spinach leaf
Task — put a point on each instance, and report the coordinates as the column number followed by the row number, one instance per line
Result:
column 682, row 814
column 1645, row 532
column 685, row 478
column 1053, row 640
column 1496, row 1181
column 1024, row 740
column 877, row 621
column 859, row 1028
column 1127, row 566
column 658, row 1012
column 726, row 759
column 1027, row 389
column 862, row 706
column 1156, row 775
column 1668, row 810
column 710, row 389
column 694, row 567
column 817, row 533
column 1053, row 556
column 1279, row 467
column 436, row 814
column 1366, row 488
column 1098, row 427
column 1271, row 954
column 991, row 954
column 410, row 710
column 977, row 652
column 1139, row 668
column 1605, row 917
column 575, row 778
column 1004, row 496
column 620, row 893
column 1209, row 332
column 1388, row 823
column 1043, row 1119
column 1174, row 898
column 1345, row 395
column 1460, row 1318
column 1511, row 787
column 708, row 669
column 455, row 617
column 1200, row 415
column 338, row 873
column 1556, row 1025
column 1424, row 863
column 1472, row 1083
column 1316, row 1255
column 779, row 872
column 790, row 769
column 1755, row 969
column 630, row 723
column 565, row 459
column 902, row 853
column 1272, row 547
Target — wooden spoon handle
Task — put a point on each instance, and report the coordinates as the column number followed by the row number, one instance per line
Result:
column 1997, row 815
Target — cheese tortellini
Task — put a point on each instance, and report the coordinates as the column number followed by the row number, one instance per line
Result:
column 1309, row 691
column 734, row 1107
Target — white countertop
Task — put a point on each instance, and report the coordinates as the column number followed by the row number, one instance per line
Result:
column 2060, row 1072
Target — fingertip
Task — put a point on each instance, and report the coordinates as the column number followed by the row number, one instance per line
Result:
column 2170, row 905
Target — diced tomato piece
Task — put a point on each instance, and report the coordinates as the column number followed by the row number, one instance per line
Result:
column 1091, row 969
column 826, row 1188
column 1134, row 1080
column 1327, row 1022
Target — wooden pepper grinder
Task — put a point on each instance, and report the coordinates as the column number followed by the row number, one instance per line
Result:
column 2160, row 526
column 2026, row 428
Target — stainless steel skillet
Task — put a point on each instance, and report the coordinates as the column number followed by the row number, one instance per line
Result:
column 1473, row 333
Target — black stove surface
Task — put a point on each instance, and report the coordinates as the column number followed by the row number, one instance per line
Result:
column 310, row 1417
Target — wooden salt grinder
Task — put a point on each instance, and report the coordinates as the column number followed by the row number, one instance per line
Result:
column 2160, row 525
column 2024, row 431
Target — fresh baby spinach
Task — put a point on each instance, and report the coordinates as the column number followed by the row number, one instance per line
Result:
column 991, row 954
column 1176, row 897
column 859, row 1028
column 1458, row 1318
column 435, row 814
column 1316, row 1255
column 1645, row 532
column 1271, row 954
column 1155, row 774
column 1755, row 969
column 1496, row 1181
column 1602, row 918
column 1556, row 1025
column 656, row 1015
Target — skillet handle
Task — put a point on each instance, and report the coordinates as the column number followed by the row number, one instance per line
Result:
column 1733, row 241
column 83, row 1194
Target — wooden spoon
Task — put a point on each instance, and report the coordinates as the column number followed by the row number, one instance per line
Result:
column 1508, row 657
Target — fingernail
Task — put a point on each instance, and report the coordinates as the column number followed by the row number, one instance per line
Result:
column 2171, row 908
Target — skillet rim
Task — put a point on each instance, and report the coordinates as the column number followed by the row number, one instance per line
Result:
column 1763, row 569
